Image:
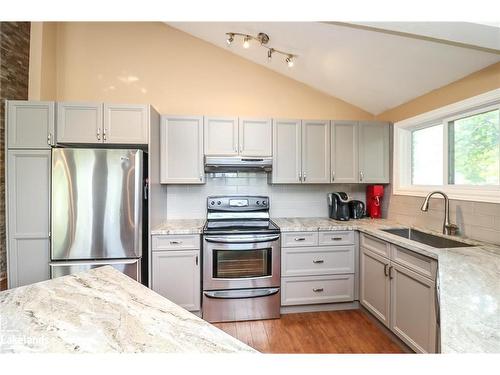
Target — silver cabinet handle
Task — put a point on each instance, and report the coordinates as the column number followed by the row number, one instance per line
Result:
column 336, row 238
column 299, row 238
column 104, row 134
column 317, row 290
column 175, row 242
column 390, row 273
column 235, row 148
column 300, row 176
column 361, row 176
column 385, row 270
column 319, row 261
column 49, row 137
column 98, row 134
column 196, row 260
column 333, row 176
column 304, row 176
column 201, row 177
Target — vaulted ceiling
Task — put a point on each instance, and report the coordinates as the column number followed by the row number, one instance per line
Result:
column 373, row 66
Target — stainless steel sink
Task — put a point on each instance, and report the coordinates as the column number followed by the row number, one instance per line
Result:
column 426, row 238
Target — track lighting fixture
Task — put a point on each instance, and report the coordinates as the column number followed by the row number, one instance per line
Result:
column 246, row 42
column 263, row 40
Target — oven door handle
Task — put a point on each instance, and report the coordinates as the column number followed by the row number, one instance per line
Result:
column 240, row 294
column 247, row 239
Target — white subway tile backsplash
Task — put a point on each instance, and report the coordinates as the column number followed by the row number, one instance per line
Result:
column 189, row 201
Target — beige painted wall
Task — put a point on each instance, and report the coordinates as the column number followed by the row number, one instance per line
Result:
column 177, row 73
column 42, row 65
column 476, row 83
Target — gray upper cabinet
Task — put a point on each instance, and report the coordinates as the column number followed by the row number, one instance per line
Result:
column 30, row 124
column 287, row 144
column 344, row 152
column 255, row 137
column 373, row 148
column 79, row 122
column 221, row 136
column 28, row 207
column 181, row 150
column 125, row 124
column 315, row 151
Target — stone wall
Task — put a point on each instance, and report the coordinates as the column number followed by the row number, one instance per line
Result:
column 14, row 74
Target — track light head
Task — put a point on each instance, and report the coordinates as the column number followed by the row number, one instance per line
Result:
column 230, row 39
column 246, row 42
column 289, row 61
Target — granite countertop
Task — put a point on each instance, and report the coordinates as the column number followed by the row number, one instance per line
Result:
column 102, row 311
column 180, row 226
column 469, row 282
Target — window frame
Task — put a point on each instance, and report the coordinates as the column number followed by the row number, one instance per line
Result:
column 402, row 150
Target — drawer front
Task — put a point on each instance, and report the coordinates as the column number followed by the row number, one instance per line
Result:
column 336, row 238
column 414, row 261
column 317, row 289
column 299, row 239
column 176, row 242
column 327, row 260
column 376, row 245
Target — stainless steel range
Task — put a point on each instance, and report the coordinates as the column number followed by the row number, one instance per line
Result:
column 241, row 260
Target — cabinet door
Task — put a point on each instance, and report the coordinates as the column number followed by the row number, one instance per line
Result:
column 79, row 122
column 373, row 152
column 181, row 150
column 221, row 136
column 375, row 285
column 30, row 124
column 344, row 152
column 315, row 152
column 413, row 309
column 28, row 208
column 125, row 124
column 287, row 160
column 176, row 276
column 255, row 137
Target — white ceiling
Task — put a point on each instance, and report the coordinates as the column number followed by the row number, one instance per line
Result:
column 373, row 70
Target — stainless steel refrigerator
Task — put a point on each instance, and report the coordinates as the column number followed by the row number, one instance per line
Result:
column 97, row 210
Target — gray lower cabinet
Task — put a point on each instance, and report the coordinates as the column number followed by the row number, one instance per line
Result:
column 403, row 297
column 28, row 207
column 176, row 270
column 314, row 270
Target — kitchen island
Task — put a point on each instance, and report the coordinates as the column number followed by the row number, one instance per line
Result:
column 103, row 311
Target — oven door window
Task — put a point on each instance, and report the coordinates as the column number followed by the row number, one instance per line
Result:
column 240, row 264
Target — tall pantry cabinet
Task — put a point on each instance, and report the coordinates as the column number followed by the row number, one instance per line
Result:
column 29, row 137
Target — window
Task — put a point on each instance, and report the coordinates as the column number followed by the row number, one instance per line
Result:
column 474, row 149
column 427, row 165
column 455, row 149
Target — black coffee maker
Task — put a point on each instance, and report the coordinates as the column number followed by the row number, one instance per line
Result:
column 338, row 205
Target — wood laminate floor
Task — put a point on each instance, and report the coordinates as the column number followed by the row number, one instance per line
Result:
column 350, row 331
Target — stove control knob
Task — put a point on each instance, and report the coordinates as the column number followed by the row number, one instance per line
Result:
column 218, row 203
column 212, row 203
column 258, row 203
column 264, row 203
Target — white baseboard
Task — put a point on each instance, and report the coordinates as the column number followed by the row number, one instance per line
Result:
column 321, row 307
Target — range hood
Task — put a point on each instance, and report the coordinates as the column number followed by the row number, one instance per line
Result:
column 238, row 164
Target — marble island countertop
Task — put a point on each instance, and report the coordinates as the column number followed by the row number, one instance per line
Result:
column 469, row 281
column 102, row 311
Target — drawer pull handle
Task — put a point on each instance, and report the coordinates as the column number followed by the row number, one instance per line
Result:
column 318, row 261
column 337, row 238
column 300, row 238
column 175, row 242
column 317, row 290
column 390, row 272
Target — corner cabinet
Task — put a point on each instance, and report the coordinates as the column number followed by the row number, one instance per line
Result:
column 373, row 146
column 181, row 150
column 30, row 124
column 28, row 208
column 398, row 286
